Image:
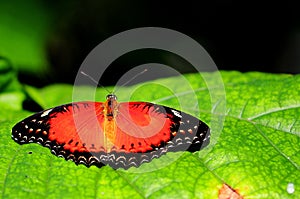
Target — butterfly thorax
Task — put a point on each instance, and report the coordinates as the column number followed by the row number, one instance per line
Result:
column 111, row 106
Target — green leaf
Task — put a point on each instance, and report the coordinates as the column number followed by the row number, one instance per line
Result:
column 255, row 143
column 8, row 77
column 11, row 91
column 25, row 26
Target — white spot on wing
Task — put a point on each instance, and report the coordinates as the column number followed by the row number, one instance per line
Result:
column 176, row 113
column 45, row 113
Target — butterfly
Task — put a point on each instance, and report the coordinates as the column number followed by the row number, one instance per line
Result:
column 120, row 135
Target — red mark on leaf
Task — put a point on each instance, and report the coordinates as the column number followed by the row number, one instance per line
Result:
column 227, row 192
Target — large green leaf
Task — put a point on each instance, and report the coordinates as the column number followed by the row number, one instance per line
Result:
column 256, row 151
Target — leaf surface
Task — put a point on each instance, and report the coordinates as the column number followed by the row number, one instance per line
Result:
column 255, row 143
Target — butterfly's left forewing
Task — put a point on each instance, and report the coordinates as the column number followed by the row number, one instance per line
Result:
column 71, row 131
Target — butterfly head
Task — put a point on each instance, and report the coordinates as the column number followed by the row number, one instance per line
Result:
column 111, row 97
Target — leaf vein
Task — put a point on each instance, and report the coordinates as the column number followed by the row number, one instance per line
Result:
column 274, row 110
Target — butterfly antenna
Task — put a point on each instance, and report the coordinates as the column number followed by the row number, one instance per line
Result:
column 93, row 80
column 135, row 76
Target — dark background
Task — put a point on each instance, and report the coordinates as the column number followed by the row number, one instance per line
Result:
column 238, row 35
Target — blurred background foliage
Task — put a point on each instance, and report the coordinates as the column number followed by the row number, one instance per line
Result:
column 46, row 41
